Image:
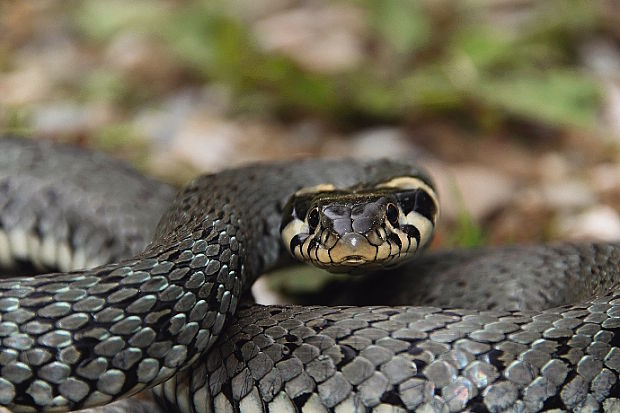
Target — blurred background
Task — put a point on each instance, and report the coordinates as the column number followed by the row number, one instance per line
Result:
column 514, row 105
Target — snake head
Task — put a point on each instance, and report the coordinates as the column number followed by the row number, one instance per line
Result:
column 362, row 227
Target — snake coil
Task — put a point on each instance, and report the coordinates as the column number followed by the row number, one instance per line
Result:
column 516, row 329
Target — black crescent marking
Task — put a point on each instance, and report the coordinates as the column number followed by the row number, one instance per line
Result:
column 297, row 241
column 412, row 232
column 311, row 245
column 406, row 200
column 424, row 205
column 396, row 240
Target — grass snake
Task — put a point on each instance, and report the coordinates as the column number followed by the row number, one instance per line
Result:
column 511, row 329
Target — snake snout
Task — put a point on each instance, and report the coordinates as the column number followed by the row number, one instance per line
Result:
column 353, row 241
column 352, row 248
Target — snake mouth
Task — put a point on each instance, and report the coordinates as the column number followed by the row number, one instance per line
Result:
column 353, row 260
column 352, row 249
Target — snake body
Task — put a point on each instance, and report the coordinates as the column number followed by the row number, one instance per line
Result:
column 545, row 335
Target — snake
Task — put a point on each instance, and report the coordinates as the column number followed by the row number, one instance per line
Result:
column 117, row 284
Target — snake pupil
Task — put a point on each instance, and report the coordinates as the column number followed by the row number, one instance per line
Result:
column 392, row 214
column 313, row 219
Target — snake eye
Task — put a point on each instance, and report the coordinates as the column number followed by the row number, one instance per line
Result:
column 392, row 214
column 313, row 219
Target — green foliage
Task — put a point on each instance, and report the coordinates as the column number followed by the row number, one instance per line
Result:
column 209, row 40
column 14, row 121
column 104, row 85
column 300, row 280
column 555, row 97
column 402, row 24
column 430, row 88
column 118, row 136
column 122, row 139
column 467, row 233
column 103, row 19
column 423, row 58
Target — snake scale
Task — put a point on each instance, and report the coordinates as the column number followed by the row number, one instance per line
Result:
column 513, row 329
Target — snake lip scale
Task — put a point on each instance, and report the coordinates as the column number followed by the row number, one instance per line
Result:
column 510, row 329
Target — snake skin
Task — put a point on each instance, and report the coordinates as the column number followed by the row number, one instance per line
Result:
column 87, row 337
column 85, row 202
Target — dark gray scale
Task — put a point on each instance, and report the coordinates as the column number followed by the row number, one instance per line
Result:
column 425, row 357
column 358, row 217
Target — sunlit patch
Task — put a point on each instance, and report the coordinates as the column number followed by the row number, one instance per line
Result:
column 315, row 189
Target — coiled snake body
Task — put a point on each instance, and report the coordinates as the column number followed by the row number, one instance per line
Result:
column 545, row 336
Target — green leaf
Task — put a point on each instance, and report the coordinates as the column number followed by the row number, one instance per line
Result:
column 467, row 233
column 104, row 19
column 401, row 23
column 373, row 97
column 564, row 16
column 104, row 85
column 213, row 42
column 15, row 120
column 483, row 46
column 429, row 88
column 558, row 97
